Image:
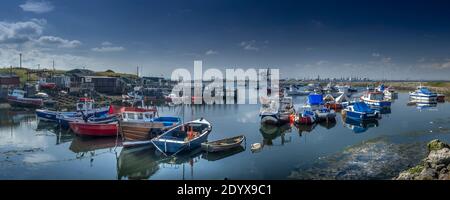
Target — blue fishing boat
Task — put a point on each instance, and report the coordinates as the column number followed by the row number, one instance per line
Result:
column 64, row 120
column 49, row 115
column 183, row 137
column 361, row 111
column 423, row 94
column 85, row 106
column 316, row 104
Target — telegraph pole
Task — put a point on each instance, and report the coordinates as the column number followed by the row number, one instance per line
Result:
column 20, row 60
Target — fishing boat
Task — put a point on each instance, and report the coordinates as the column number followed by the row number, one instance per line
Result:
column 92, row 129
column 316, row 104
column 277, row 112
column 84, row 106
column 17, row 98
column 294, row 90
column 183, row 137
column 139, row 125
column 307, row 117
column 440, row 98
column 223, row 144
column 423, row 94
column 370, row 88
column 330, row 89
column 269, row 112
column 375, row 99
column 361, row 111
column 331, row 103
column 64, row 120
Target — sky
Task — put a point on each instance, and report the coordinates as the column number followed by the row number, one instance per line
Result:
column 376, row 39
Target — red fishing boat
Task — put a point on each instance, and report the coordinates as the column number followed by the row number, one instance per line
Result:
column 17, row 98
column 92, row 129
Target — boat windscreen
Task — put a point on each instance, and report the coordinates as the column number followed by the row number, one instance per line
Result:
column 425, row 90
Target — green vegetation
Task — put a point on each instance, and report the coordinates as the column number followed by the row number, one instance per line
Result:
column 22, row 73
column 436, row 145
column 415, row 170
column 438, row 84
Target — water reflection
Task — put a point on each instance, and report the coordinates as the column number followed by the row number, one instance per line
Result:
column 62, row 136
column 137, row 163
column 360, row 126
column 423, row 106
column 223, row 154
column 272, row 132
column 14, row 118
column 305, row 128
column 328, row 124
column 87, row 144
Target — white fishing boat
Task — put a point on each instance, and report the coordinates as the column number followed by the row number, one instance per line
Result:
column 423, row 94
column 375, row 99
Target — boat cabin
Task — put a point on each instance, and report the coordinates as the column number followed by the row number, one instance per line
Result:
column 18, row 93
column 85, row 104
column 377, row 96
column 132, row 114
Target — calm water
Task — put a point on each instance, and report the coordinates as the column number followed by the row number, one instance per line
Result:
column 34, row 150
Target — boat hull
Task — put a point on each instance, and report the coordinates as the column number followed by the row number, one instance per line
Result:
column 361, row 115
column 25, row 102
column 135, row 131
column 171, row 146
column 88, row 129
column 223, row 145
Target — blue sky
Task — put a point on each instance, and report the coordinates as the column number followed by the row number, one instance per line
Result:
column 377, row 39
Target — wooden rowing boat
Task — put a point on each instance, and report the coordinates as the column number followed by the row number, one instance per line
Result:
column 223, row 144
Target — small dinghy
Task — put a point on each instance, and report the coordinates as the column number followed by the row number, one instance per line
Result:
column 256, row 147
column 223, row 144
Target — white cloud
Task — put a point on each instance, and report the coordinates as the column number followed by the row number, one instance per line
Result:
column 20, row 32
column 211, row 52
column 249, row 45
column 31, row 33
column 59, row 42
column 376, row 54
column 108, row 49
column 37, row 6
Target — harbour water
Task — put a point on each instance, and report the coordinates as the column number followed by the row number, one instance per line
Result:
column 35, row 150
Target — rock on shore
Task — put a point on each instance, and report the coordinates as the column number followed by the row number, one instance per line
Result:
column 436, row 166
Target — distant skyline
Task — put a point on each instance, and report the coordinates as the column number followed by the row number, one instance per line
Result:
column 378, row 39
